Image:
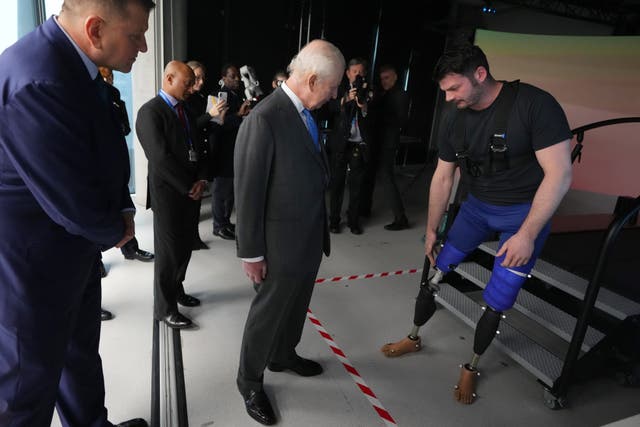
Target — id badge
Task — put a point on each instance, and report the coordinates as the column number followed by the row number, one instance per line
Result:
column 193, row 155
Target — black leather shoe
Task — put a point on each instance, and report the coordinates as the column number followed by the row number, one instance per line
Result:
column 188, row 300
column 334, row 228
column 355, row 229
column 105, row 315
column 199, row 244
column 136, row 422
column 301, row 366
column 225, row 233
column 398, row 224
column 231, row 227
column 140, row 255
column 259, row 408
column 178, row 321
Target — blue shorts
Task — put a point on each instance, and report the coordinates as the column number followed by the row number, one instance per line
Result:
column 475, row 223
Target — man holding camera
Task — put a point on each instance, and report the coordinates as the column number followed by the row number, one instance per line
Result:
column 347, row 145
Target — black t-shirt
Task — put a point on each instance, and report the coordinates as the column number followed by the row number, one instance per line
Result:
column 536, row 121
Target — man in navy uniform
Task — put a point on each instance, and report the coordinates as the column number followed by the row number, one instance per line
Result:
column 63, row 198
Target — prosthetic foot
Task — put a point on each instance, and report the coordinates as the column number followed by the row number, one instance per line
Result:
column 465, row 390
column 405, row 345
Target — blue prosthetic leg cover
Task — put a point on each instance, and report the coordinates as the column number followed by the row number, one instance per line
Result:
column 502, row 290
column 449, row 257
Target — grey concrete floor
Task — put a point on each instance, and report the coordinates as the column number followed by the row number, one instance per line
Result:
column 360, row 316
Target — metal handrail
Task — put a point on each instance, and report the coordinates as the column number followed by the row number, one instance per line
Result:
column 561, row 385
column 579, row 132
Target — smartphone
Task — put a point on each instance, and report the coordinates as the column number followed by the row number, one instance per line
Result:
column 222, row 96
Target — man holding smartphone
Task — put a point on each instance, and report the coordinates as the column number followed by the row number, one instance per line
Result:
column 223, row 139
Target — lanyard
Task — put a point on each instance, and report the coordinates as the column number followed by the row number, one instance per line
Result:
column 187, row 130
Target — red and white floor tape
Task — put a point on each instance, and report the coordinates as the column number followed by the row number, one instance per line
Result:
column 368, row 276
column 384, row 415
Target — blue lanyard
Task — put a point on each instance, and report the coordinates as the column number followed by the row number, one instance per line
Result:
column 187, row 131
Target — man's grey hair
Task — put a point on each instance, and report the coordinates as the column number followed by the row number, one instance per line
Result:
column 318, row 57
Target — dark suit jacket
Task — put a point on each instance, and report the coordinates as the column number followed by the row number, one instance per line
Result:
column 197, row 106
column 279, row 188
column 170, row 173
column 64, row 170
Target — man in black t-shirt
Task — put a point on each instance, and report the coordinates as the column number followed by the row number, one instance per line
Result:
column 512, row 144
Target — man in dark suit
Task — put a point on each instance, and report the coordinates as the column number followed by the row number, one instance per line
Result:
column 64, row 171
column 282, row 230
column 176, row 180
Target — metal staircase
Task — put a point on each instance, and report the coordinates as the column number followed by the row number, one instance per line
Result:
column 555, row 371
column 583, row 343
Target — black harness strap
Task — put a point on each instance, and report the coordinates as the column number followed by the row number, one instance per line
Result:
column 496, row 158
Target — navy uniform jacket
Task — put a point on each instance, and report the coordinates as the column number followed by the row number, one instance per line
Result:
column 64, row 165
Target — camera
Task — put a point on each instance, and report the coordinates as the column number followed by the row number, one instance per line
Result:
column 362, row 90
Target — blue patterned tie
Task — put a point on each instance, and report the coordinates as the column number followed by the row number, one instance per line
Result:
column 312, row 127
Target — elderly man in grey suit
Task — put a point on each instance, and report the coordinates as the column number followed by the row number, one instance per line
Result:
column 282, row 175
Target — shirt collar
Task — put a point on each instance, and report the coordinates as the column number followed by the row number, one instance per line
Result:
column 92, row 68
column 294, row 98
column 171, row 99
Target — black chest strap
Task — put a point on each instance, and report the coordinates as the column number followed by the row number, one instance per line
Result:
column 496, row 156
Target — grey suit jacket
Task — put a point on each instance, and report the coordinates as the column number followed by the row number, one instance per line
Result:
column 280, row 184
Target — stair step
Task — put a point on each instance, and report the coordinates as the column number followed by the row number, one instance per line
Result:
column 614, row 304
column 547, row 315
column 537, row 360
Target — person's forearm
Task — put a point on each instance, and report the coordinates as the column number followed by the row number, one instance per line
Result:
column 545, row 202
column 439, row 193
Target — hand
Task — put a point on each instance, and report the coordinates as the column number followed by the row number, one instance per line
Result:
column 431, row 248
column 196, row 190
column 245, row 108
column 255, row 271
column 129, row 228
column 518, row 249
column 351, row 95
column 218, row 108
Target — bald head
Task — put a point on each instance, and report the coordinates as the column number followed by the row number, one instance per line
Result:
column 315, row 73
column 178, row 80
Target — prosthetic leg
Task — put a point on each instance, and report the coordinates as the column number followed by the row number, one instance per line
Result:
column 501, row 293
column 425, row 306
column 465, row 390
